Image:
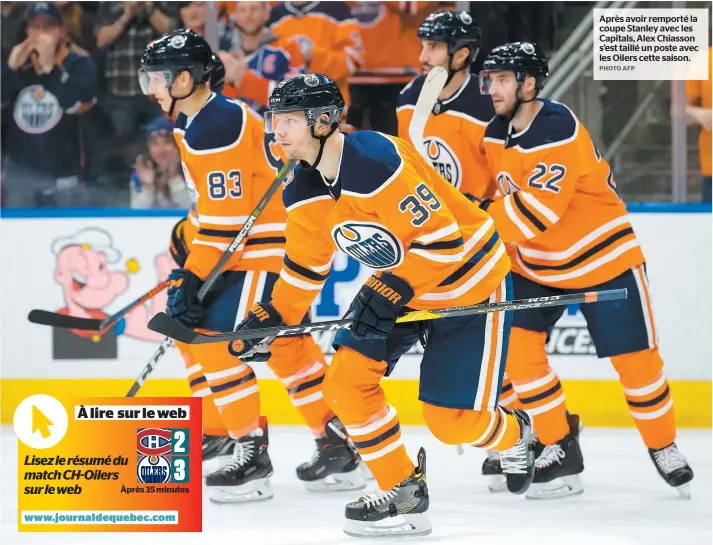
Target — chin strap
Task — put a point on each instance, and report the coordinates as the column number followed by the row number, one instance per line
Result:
column 322, row 142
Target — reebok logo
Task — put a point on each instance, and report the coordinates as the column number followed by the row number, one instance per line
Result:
column 382, row 289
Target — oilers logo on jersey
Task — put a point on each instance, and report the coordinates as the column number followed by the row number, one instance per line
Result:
column 506, row 185
column 369, row 243
column 444, row 160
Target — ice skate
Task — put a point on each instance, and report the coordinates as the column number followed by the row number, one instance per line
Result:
column 518, row 462
column 492, row 470
column 673, row 468
column 396, row 512
column 558, row 466
column 245, row 478
column 216, row 452
column 335, row 464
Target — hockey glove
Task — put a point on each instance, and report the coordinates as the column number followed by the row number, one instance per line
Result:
column 182, row 301
column 377, row 305
column 259, row 316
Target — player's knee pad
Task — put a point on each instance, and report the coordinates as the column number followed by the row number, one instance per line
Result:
column 292, row 356
column 527, row 356
column 455, row 426
column 351, row 386
column 638, row 369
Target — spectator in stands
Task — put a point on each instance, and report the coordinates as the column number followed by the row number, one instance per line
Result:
column 327, row 34
column 391, row 45
column 123, row 30
column 192, row 16
column 79, row 23
column 698, row 111
column 255, row 59
column 157, row 181
column 47, row 87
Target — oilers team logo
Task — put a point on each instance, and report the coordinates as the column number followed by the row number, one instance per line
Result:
column 444, row 160
column 153, row 470
column 153, row 441
column 506, row 185
column 36, row 110
column 369, row 243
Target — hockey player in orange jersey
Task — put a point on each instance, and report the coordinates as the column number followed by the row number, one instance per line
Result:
column 255, row 59
column 571, row 232
column 454, row 131
column 375, row 198
column 217, row 443
column 328, row 36
column 228, row 164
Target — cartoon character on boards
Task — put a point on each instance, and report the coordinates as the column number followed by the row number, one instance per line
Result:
column 88, row 287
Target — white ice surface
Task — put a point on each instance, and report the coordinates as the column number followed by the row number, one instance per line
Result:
column 625, row 501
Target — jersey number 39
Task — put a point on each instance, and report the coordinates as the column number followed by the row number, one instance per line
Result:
column 222, row 185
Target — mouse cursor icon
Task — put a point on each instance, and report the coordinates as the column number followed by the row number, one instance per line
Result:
column 40, row 422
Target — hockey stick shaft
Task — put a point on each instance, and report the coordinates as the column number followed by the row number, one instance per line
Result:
column 163, row 324
column 65, row 321
column 215, row 273
column 432, row 86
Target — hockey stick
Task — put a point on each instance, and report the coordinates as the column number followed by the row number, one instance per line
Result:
column 161, row 323
column 213, row 276
column 54, row 319
column 427, row 98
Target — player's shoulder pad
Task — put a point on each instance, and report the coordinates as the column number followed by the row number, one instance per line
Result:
column 409, row 94
column 301, row 187
column 220, row 124
column 554, row 125
column 471, row 102
column 369, row 160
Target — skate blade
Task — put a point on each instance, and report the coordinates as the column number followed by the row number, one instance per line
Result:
column 497, row 484
column 338, row 482
column 254, row 491
column 416, row 524
column 562, row 487
column 684, row 491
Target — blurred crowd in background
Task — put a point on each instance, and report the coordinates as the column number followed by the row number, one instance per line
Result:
column 77, row 130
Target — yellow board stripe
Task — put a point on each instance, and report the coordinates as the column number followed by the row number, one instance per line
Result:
column 598, row 402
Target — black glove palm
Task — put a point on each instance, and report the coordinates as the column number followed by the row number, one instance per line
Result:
column 259, row 316
column 377, row 305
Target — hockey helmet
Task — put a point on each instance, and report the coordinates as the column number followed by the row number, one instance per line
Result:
column 178, row 51
column 454, row 28
column 522, row 58
column 314, row 94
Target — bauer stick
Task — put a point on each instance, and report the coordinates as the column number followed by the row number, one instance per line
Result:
column 213, row 276
column 163, row 324
column 427, row 98
column 54, row 319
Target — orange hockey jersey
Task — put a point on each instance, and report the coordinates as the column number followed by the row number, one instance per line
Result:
column 561, row 207
column 454, row 134
column 389, row 210
column 330, row 31
column 228, row 163
column 389, row 33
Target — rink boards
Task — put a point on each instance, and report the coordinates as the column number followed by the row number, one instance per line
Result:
column 42, row 254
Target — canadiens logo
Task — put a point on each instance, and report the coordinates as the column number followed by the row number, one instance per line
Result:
column 506, row 185
column 153, row 470
column 369, row 243
column 36, row 110
column 444, row 160
column 153, row 441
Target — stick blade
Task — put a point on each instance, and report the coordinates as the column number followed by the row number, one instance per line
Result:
column 54, row 319
column 165, row 325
